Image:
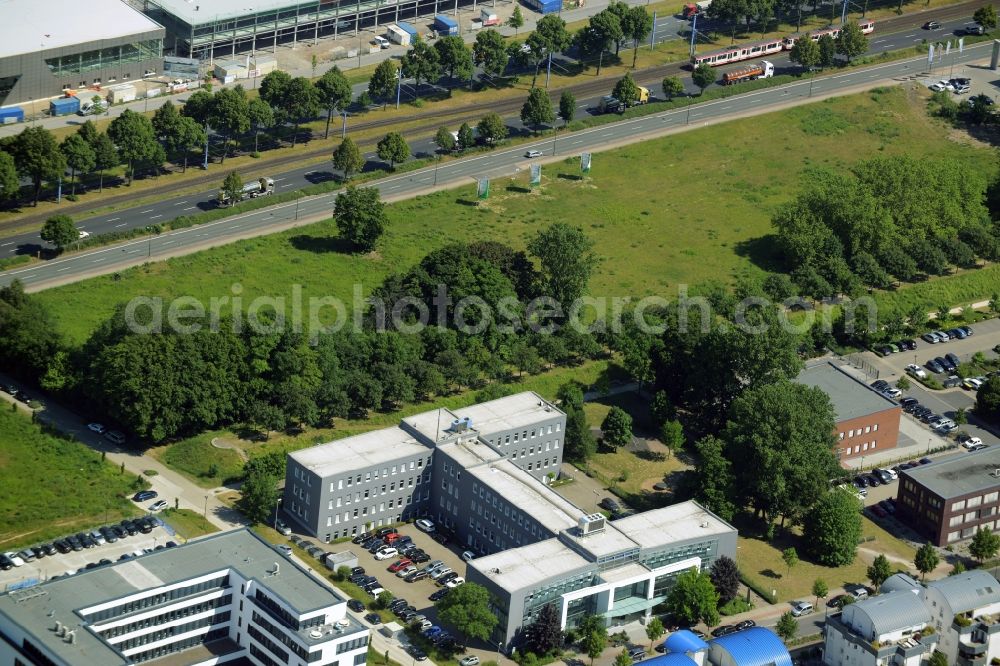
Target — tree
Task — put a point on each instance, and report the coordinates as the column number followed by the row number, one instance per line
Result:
column 834, row 529
column 938, row 658
column 626, row 90
column 988, row 399
column 985, row 544
column 567, row 107
column 492, row 129
column 393, row 148
column 422, row 63
column 258, row 496
column 926, row 559
column 490, row 53
column 693, row 599
column 549, row 37
column 703, row 76
column 230, row 115
column 787, row 627
column 9, row 184
column 466, row 138
column 827, row 51
column 133, row 136
column 820, row 589
column 986, row 16
column 299, row 101
column 725, row 577
column 347, row 157
column 361, row 217
column 516, row 19
column 851, row 42
column 672, row 435
column 455, row 57
column 382, row 84
column 622, row 658
column 616, row 429
column 383, row 599
column 636, row 24
column 879, row 571
column 654, row 630
column 38, row 157
column 805, row 52
column 672, row 86
column 272, row 88
column 445, row 139
column 537, row 109
column 468, row 609
column 566, row 259
column 593, row 644
column 544, row 634
column 261, row 117
column 79, row 156
column 334, row 94
column 790, row 557
column 105, row 157
column 60, row 231
column 232, row 187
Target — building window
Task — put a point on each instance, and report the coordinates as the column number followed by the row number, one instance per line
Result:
column 958, row 506
column 875, row 428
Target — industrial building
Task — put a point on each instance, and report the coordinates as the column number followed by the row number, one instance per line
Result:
column 866, row 421
column 48, row 47
column 223, row 28
column 756, row 646
column 229, row 598
column 949, row 499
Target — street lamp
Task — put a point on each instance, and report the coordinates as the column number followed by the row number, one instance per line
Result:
column 276, row 505
column 499, row 643
column 206, row 506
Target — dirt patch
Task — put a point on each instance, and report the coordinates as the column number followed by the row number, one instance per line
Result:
column 226, row 443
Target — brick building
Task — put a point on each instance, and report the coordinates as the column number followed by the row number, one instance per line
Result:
column 948, row 500
column 867, row 421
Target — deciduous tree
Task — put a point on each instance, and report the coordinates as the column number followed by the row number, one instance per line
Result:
column 516, row 19
column 467, row 608
column 805, row 52
column 79, row 156
column 654, row 630
column 382, row 84
column 361, row 217
column 672, row 86
column 258, row 496
column 626, row 90
column 133, row 136
column 455, row 57
column 334, row 93
column 490, row 53
column 787, row 627
column 851, row 42
column 693, row 599
column 827, row 51
column 492, row 129
column 984, row 544
column 422, row 63
column 466, row 138
column 879, row 571
column 105, row 157
column 926, row 559
column 261, row 117
column 567, row 107
column 393, row 148
column 790, row 557
column 567, row 261
column 537, row 109
column 703, row 76
column 38, row 157
column 986, row 16
column 834, row 528
column 820, row 589
column 60, row 231
column 445, row 140
column 232, row 186
column 9, row 182
column 347, row 157
column 636, row 24
column 622, row 658
column 300, row 102
column 988, row 400
column 616, row 429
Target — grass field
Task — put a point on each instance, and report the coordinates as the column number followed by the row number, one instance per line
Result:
column 187, row 523
column 704, row 213
column 51, row 486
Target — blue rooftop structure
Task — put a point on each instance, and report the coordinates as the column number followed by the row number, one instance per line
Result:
column 670, row 660
column 751, row 647
column 682, row 642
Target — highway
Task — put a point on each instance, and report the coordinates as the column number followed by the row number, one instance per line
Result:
column 502, row 162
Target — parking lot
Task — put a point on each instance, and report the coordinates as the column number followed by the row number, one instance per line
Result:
column 61, row 564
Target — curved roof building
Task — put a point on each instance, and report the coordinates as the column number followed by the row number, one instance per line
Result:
column 756, row 646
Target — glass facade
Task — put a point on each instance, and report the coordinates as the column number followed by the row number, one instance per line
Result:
column 108, row 58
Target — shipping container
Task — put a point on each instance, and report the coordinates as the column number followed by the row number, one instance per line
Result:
column 12, row 114
column 64, row 106
column 121, row 93
column 544, row 6
column 445, row 25
column 397, row 35
column 410, row 30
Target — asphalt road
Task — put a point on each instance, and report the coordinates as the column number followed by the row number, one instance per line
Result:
column 504, row 162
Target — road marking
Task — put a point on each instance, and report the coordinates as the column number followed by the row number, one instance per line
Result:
column 150, row 210
column 190, row 208
column 98, row 260
column 166, row 242
column 727, row 107
column 64, row 268
column 179, row 203
column 153, row 217
column 6, row 244
column 278, row 180
column 113, row 219
column 121, row 225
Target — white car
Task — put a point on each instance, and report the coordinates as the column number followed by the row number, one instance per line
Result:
column 946, row 425
column 15, row 559
column 533, row 153
column 406, row 571
column 437, row 573
column 84, row 234
column 96, row 427
column 376, row 591
column 468, row 556
column 800, row 608
column 972, row 443
column 158, row 506
column 386, row 553
column 425, row 525
column 283, row 529
column 916, row 371
column 284, row 549
column 892, row 392
column 455, row 582
column 942, row 85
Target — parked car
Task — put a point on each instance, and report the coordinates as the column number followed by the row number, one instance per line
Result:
column 953, row 360
column 355, row 605
column 282, row 528
column 609, row 504
column 967, row 329
column 468, row 556
column 438, row 573
column 406, row 571
column 386, row 553
column 454, row 582
column 424, row 524
column 14, row 558
column 800, row 608
column 934, row 365
column 284, row 549
column 440, row 594
column 916, row 371
column 373, row 618
column 930, row 337
column 144, row 496
column 158, row 505
column 892, row 392
column 471, row 660
column 972, row 442
column 96, row 427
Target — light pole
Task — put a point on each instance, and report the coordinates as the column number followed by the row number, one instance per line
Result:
column 206, row 506
column 499, row 643
column 343, row 132
column 276, row 505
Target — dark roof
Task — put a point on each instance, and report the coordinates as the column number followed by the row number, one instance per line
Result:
column 963, row 474
column 850, row 398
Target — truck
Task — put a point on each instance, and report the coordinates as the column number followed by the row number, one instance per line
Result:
column 488, row 18
column 64, row 106
column 262, row 187
column 610, row 104
column 397, row 35
column 693, row 8
column 445, row 25
column 757, row 70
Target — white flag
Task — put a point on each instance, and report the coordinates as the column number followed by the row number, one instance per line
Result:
column 930, row 55
column 947, row 47
column 961, row 44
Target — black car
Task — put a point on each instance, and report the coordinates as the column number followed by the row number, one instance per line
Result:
column 62, row 546
column 925, row 461
column 361, row 537
column 38, row 552
column 880, row 384
column 49, row 549
column 445, row 578
column 130, row 527
column 355, row 605
column 171, row 544
column 440, row 537
column 5, row 563
column 908, row 401
column 144, row 496
column 440, row 594
column 419, row 558
column 74, row 543
column 724, row 630
column 947, row 363
column 966, row 329
column 745, row 624
column 874, row 481
column 385, row 531
column 934, row 365
column 357, row 570
column 417, row 653
column 373, row 618
column 909, row 345
column 399, row 602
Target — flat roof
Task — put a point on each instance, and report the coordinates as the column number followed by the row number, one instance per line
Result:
column 30, row 26
column 524, row 567
column 959, row 475
column 195, row 12
column 433, row 424
column 851, row 398
column 528, row 494
column 354, row 453
column 608, row 541
column 36, row 609
column 469, row 454
column 672, row 524
column 508, row 413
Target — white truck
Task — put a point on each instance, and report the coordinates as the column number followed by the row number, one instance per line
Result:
column 262, row 187
column 486, row 19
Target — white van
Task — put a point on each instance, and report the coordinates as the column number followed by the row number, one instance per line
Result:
column 381, row 42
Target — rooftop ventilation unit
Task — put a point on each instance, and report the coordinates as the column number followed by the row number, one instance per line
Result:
column 458, row 425
column 591, row 524
column 277, row 569
column 71, row 637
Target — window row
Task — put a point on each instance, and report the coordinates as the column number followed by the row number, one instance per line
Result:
column 175, row 630
column 163, row 618
column 858, row 431
column 273, row 647
column 343, row 500
column 163, row 650
column 300, row 651
column 157, row 599
column 106, row 58
column 373, row 475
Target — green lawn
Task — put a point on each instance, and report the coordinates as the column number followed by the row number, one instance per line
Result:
column 187, row 523
column 704, row 213
column 51, row 486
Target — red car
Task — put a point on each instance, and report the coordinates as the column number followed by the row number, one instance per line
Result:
column 391, row 537
column 399, row 565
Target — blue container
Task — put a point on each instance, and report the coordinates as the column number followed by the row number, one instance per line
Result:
column 445, row 25
column 409, row 29
column 64, row 106
column 544, row 6
column 12, row 114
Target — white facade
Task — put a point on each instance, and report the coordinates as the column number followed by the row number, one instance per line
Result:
column 981, row 609
column 889, row 628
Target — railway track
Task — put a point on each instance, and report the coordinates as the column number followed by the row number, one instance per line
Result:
column 431, row 121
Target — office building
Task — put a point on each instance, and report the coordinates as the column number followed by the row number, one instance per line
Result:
column 429, row 465
column 618, row 570
column 949, row 499
column 51, row 46
column 866, row 421
column 225, row 599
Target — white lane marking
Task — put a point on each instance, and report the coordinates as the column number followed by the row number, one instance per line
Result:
column 179, row 203
column 113, row 219
column 98, row 260
column 166, row 242
column 153, row 217
column 190, row 208
column 64, row 268
column 120, row 225
column 278, row 180
column 6, row 244
column 148, row 210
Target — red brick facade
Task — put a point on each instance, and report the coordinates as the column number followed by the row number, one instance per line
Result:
column 867, row 434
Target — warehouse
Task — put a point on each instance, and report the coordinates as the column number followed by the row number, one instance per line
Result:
column 51, row 46
column 197, row 29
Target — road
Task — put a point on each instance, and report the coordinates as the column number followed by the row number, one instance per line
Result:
column 496, row 164
column 171, row 206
